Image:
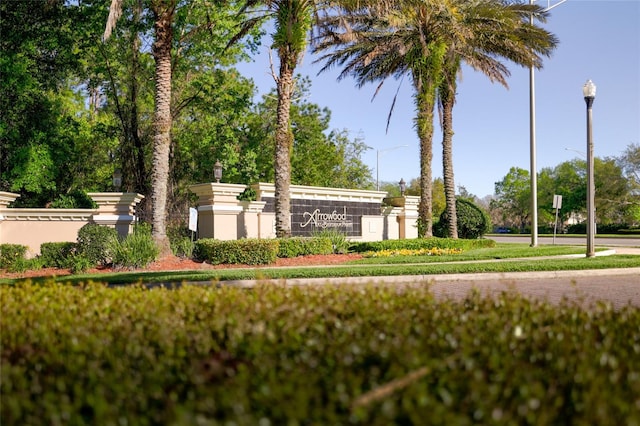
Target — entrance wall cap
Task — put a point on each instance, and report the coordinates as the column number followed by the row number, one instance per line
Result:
column 204, row 189
column 322, row 193
column 7, row 198
column 115, row 197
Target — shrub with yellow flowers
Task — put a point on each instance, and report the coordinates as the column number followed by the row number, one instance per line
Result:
column 434, row 251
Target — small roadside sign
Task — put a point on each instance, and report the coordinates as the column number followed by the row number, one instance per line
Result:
column 557, row 201
column 193, row 219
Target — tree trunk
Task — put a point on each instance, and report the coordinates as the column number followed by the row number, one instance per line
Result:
column 447, row 161
column 284, row 139
column 424, row 124
column 161, row 122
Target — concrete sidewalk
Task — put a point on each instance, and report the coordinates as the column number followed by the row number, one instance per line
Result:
column 619, row 287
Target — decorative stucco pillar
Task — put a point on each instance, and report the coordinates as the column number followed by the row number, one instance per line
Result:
column 406, row 210
column 6, row 198
column 391, row 229
column 408, row 218
column 218, row 210
column 249, row 225
column 116, row 210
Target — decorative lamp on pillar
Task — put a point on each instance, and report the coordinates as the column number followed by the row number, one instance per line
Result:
column 117, row 179
column 217, row 171
column 589, row 93
column 403, row 187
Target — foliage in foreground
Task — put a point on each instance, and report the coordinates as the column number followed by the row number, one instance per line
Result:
column 349, row 355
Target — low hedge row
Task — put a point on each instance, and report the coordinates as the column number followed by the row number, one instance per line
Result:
column 10, row 254
column 422, row 243
column 299, row 246
column 246, row 251
column 313, row 355
column 259, row 251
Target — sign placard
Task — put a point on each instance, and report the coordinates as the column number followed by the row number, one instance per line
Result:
column 193, row 219
column 557, row 201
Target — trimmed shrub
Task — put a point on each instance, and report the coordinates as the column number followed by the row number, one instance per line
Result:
column 136, row 250
column 319, row 355
column 57, row 254
column 94, row 242
column 473, row 222
column 302, row 246
column 10, row 254
column 78, row 263
column 247, row 251
column 339, row 242
column 180, row 241
column 422, row 243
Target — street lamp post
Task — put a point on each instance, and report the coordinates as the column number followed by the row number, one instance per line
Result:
column 378, row 152
column 532, row 140
column 589, row 92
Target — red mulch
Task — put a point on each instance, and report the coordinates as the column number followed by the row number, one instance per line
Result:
column 173, row 263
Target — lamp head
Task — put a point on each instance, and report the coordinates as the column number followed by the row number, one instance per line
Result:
column 217, row 171
column 403, row 186
column 117, row 179
column 589, row 90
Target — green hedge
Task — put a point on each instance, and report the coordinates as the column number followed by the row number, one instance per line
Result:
column 247, row 251
column 57, row 254
column 313, row 355
column 93, row 243
column 10, row 254
column 422, row 243
column 302, row 246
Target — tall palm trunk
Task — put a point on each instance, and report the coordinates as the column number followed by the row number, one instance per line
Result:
column 425, row 101
column 447, row 98
column 163, row 14
column 133, row 151
column 284, row 139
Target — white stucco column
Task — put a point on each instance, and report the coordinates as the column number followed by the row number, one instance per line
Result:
column 218, row 210
column 6, row 198
column 116, row 210
column 406, row 211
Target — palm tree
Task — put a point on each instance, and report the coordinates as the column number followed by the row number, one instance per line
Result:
column 293, row 23
column 406, row 37
column 496, row 29
column 427, row 39
column 163, row 12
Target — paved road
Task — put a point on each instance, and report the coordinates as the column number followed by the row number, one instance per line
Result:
column 616, row 286
column 569, row 240
column 619, row 287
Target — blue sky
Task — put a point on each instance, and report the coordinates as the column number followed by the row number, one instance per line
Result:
column 599, row 40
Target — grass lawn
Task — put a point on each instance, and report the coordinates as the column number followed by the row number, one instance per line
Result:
column 505, row 257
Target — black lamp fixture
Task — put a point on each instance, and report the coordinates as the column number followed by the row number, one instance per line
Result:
column 403, row 186
column 117, row 179
column 217, row 171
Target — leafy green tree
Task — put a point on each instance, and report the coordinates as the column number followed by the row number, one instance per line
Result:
column 212, row 127
column 43, row 128
column 200, row 29
column 629, row 162
column 512, row 197
column 320, row 156
column 473, row 222
column 568, row 179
